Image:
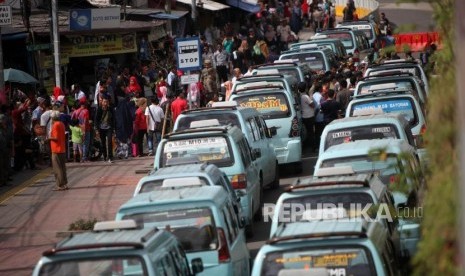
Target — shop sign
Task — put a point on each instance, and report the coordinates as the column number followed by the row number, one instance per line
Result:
column 91, row 19
column 188, row 79
column 5, row 15
column 96, row 45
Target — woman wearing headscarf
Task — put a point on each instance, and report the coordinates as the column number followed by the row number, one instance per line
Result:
column 140, row 126
column 133, row 87
column 193, row 95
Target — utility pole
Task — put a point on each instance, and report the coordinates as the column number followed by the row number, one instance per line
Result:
column 56, row 43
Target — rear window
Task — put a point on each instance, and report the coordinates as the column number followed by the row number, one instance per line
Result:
column 156, row 185
column 348, row 201
column 367, row 132
column 104, row 265
column 364, row 88
column 365, row 163
column 194, row 227
column 314, row 60
column 215, row 150
column 223, row 118
column 270, row 105
column 345, row 37
column 413, row 70
column 335, row 260
column 404, row 106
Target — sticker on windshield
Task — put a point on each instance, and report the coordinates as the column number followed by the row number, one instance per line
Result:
column 178, row 145
column 310, row 58
column 387, row 106
column 265, row 103
column 342, row 134
column 381, row 129
column 333, row 260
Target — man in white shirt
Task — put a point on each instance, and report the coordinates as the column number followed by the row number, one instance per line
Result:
column 78, row 94
column 154, row 117
column 308, row 114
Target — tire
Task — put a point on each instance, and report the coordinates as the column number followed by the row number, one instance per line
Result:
column 259, row 214
column 298, row 167
column 249, row 229
column 275, row 184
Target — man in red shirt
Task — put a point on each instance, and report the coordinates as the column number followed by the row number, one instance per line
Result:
column 178, row 106
column 58, row 148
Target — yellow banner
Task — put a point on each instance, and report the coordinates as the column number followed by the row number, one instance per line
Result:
column 96, row 45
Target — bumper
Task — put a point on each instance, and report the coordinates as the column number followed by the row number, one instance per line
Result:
column 290, row 153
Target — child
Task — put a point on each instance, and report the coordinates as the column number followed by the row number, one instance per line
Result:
column 76, row 138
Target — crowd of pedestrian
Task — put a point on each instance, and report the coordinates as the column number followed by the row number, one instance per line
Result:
column 134, row 104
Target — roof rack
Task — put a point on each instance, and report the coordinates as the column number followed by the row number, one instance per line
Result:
column 317, row 235
column 336, row 29
column 116, row 225
column 53, row 251
column 319, row 183
column 222, row 128
column 393, row 62
column 354, row 21
column 258, row 87
column 389, row 74
column 208, row 108
column 261, row 76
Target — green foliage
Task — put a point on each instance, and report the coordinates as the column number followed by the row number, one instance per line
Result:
column 438, row 249
column 82, row 225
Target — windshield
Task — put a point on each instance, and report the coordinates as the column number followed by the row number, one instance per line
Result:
column 224, row 118
column 314, row 60
column 270, row 105
column 345, row 37
column 215, row 150
column 109, row 265
column 194, row 227
column 326, row 261
column 367, row 132
column 348, row 201
column 404, row 106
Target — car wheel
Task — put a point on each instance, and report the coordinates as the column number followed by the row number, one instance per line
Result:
column 298, row 168
column 258, row 215
column 249, row 229
column 275, row 183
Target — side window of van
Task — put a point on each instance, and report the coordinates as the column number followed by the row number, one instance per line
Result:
column 263, row 126
column 234, row 220
column 166, row 267
column 180, row 261
column 245, row 152
column 388, row 255
column 229, row 229
column 254, row 128
column 260, row 127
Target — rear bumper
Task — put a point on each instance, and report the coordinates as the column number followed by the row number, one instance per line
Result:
column 290, row 153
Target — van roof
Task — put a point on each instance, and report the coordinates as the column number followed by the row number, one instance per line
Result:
column 189, row 195
column 98, row 240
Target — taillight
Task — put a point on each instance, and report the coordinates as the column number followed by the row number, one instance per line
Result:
column 393, row 179
column 117, row 268
column 420, row 138
column 223, row 250
column 239, row 181
column 295, row 128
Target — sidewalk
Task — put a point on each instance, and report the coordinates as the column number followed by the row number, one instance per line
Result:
column 32, row 215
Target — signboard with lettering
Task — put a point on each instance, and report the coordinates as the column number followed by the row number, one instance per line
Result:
column 91, row 19
column 5, row 15
column 188, row 53
column 95, row 45
column 188, row 79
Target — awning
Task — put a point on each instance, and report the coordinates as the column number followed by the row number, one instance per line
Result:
column 166, row 16
column 249, row 6
column 206, row 4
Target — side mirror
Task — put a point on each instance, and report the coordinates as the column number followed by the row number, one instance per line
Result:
column 256, row 153
column 272, row 131
column 242, row 222
column 197, row 265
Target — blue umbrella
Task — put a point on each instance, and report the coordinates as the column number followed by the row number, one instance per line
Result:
column 15, row 75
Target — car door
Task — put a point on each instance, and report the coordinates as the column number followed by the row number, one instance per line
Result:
column 236, row 241
column 253, row 179
column 263, row 162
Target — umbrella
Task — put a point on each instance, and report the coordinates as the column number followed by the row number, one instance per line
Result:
column 15, row 75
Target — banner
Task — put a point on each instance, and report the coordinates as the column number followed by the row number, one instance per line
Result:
column 96, row 45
